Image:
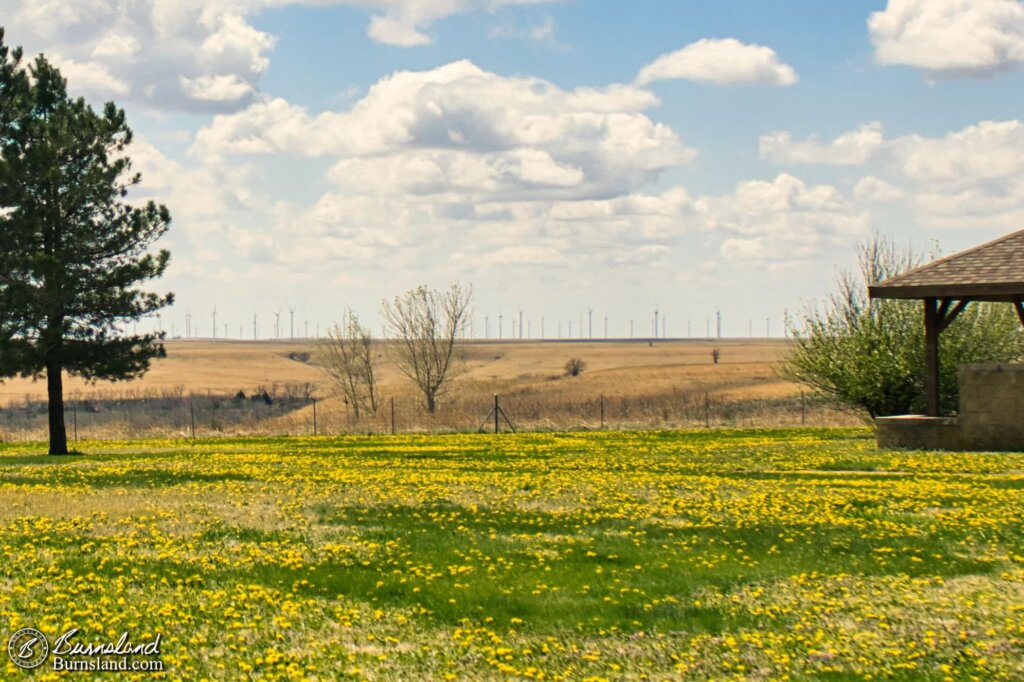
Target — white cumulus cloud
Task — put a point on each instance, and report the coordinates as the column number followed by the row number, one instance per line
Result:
column 950, row 37
column 224, row 88
column 458, row 127
column 877, row 190
column 171, row 54
column 457, row 164
column 989, row 149
column 782, row 219
column 722, row 61
column 972, row 176
column 852, row 148
column 90, row 77
column 402, row 22
column 202, row 55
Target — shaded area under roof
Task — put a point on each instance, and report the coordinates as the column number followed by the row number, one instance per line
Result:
column 990, row 272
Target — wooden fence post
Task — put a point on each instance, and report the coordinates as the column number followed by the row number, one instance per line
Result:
column 392, row 416
column 602, row 411
column 192, row 417
column 314, row 416
column 707, row 411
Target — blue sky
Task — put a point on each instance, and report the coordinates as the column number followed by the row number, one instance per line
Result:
column 560, row 156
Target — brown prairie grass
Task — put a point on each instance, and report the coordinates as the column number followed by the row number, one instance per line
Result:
column 665, row 384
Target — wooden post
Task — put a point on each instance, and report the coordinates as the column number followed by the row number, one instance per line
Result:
column 707, row 411
column 803, row 409
column 392, row 416
column 931, row 357
column 602, row 411
column 192, row 418
column 314, row 416
column 497, row 414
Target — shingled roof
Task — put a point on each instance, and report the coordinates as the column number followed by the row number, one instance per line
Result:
column 990, row 272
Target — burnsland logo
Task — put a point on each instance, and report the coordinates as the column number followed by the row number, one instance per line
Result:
column 29, row 649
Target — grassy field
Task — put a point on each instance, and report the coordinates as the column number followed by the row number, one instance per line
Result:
column 663, row 385
column 784, row 554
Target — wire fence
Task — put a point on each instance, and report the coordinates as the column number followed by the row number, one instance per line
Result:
column 297, row 413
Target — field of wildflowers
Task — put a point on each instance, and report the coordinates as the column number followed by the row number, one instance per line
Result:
column 785, row 554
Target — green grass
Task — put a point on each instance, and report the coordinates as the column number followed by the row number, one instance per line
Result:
column 723, row 554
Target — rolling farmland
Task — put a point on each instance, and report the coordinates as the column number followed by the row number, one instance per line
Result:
column 665, row 385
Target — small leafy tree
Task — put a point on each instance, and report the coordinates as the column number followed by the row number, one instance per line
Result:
column 869, row 354
column 72, row 252
column 426, row 324
column 575, row 366
column 349, row 355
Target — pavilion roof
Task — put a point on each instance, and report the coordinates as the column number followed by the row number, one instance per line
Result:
column 990, row 272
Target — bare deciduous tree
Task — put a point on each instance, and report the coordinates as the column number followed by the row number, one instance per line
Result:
column 349, row 355
column 426, row 324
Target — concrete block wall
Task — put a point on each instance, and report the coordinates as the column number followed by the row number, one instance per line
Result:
column 991, row 415
column 918, row 432
column 992, row 406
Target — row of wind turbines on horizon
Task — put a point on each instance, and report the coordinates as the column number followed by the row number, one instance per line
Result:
column 494, row 328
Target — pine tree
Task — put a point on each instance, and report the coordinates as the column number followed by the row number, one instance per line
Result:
column 73, row 252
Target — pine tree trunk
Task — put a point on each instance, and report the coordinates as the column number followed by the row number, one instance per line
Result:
column 55, row 392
